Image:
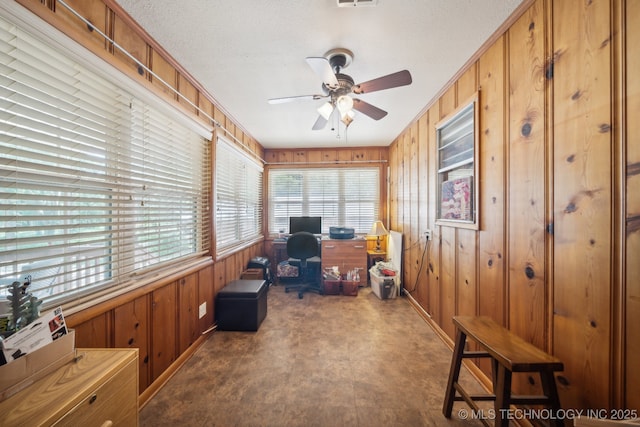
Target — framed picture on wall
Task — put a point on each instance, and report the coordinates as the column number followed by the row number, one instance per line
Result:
column 457, row 199
column 458, row 167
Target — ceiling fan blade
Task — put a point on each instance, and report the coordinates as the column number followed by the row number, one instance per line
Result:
column 320, row 123
column 401, row 78
column 365, row 108
column 323, row 69
column 294, row 98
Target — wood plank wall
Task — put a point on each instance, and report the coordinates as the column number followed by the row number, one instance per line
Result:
column 629, row 229
column 555, row 258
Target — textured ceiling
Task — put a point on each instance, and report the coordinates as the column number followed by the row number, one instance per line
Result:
column 244, row 52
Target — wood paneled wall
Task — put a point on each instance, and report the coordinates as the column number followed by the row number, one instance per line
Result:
column 555, row 258
column 160, row 319
column 326, row 156
column 628, row 229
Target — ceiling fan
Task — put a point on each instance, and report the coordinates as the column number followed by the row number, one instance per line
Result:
column 337, row 87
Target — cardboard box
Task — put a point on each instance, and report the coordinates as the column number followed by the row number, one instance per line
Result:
column 252, row 274
column 31, row 367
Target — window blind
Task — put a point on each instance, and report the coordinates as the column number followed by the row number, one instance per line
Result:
column 238, row 198
column 343, row 197
column 96, row 185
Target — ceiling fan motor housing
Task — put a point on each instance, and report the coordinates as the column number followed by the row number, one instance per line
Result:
column 339, row 58
column 345, row 84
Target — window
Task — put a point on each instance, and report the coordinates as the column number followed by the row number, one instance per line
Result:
column 238, row 198
column 457, row 168
column 90, row 195
column 343, row 197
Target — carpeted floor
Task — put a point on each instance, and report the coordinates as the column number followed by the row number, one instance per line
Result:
column 318, row 361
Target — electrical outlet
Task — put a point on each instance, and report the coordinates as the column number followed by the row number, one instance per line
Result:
column 202, row 310
column 427, row 234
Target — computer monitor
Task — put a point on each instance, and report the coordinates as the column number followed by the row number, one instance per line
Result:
column 310, row 224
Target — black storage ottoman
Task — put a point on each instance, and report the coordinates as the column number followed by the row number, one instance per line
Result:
column 242, row 305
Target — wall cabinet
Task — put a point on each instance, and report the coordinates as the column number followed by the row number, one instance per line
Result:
column 347, row 255
column 100, row 387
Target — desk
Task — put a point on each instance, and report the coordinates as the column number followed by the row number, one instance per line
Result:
column 347, row 254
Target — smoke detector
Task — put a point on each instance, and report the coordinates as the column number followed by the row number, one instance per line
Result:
column 356, row 3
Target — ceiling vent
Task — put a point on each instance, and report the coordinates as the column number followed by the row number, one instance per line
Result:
column 359, row 3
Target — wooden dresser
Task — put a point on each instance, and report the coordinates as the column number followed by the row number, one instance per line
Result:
column 347, row 255
column 99, row 388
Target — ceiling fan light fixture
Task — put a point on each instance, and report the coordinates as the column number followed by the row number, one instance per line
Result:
column 325, row 110
column 344, row 104
column 347, row 117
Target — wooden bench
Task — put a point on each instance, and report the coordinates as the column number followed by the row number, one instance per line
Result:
column 509, row 353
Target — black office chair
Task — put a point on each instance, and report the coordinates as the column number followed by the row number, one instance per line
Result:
column 303, row 250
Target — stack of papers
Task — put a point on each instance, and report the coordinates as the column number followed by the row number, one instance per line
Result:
column 42, row 331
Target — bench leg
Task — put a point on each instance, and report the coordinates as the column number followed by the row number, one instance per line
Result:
column 550, row 390
column 454, row 373
column 502, row 390
column 494, row 374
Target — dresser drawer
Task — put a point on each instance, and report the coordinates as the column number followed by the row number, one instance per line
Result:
column 111, row 404
column 98, row 388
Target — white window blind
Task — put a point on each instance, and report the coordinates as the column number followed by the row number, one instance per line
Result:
column 343, row 197
column 238, row 198
column 96, row 186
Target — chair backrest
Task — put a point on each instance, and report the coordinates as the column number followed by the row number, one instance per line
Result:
column 302, row 245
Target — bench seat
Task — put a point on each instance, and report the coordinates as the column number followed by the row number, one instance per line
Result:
column 509, row 353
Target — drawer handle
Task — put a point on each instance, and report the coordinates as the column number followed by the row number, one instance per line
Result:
column 358, row 246
column 107, row 423
column 329, row 247
column 93, row 399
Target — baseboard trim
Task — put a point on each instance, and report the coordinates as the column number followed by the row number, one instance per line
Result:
column 475, row 371
column 159, row 382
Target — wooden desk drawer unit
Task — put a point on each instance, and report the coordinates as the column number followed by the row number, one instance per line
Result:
column 347, row 255
column 99, row 388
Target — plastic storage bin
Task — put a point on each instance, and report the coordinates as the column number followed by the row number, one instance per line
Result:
column 383, row 286
column 331, row 287
column 350, row 287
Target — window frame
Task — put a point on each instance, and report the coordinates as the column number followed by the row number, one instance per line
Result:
column 253, row 185
column 469, row 106
column 119, row 277
column 339, row 202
